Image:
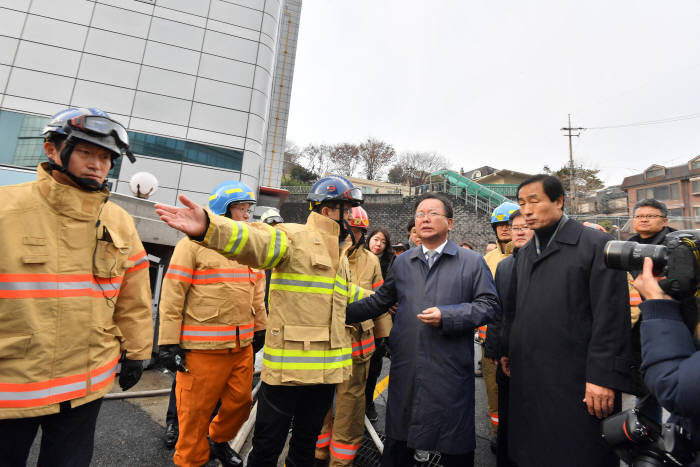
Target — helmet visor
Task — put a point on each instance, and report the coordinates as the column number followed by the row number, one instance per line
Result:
column 101, row 126
column 354, row 195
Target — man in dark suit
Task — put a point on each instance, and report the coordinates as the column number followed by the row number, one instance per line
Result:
column 443, row 293
column 569, row 340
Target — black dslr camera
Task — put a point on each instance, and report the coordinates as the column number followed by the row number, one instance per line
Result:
column 677, row 258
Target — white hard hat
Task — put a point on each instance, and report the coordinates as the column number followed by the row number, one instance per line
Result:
column 271, row 216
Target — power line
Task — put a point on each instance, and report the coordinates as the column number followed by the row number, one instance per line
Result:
column 678, row 118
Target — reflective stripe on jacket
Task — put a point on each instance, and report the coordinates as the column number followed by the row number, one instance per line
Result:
column 74, row 293
column 306, row 340
column 209, row 301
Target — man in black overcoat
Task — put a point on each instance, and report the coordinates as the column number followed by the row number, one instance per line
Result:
column 570, row 337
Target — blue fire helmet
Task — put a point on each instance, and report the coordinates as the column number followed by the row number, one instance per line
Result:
column 334, row 187
column 503, row 212
column 90, row 125
column 227, row 193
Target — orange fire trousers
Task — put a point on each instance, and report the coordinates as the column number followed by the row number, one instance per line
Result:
column 341, row 436
column 225, row 374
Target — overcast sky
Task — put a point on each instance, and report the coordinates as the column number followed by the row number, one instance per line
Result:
column 491, row 82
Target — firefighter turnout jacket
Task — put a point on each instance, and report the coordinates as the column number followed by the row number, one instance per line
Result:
column 306, row 340
column 366, row 272
column 75, row 292
column 209, row 300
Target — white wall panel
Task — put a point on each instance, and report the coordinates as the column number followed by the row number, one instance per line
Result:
column 75, row 11
column 171, row 58
column 265, row 58
column 8, row 46
column 33, row 85
column 259, row 103
column 111, row 44
column 178, row 34
column 157, row 128
column 109, row 70
column 198, row 197
column 131, row 5
column 256, row 128
column 229, row 46
column 207, row 117
column 22, row 5
column 253, row 146
column 11, row 22
column 273, row 7
column 219, row 139
column 161, row 108
column 234, row 14
column 121, row 20
column 251, row 181
column 103, row 96
column 4, row 73
column 256, row 4
column 233, row 30
column 170, row 83
column 51, row 31
column 222, row 94
column 202, row 179
column 251, row 163
column 227, row 70
column 198, row 7
column 23, row 104
column 42, row 57
column 263, row 80
column 180, row 17
column 269, row 26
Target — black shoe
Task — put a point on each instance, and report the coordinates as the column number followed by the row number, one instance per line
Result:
column 225, row 454
column 320, row 462
column 171, row 435
column 371, row 413
column 494, row 446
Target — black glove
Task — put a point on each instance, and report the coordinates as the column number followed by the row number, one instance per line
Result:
column 380, row 346
column 167, row 355
column 130, row 373
column 258, row 340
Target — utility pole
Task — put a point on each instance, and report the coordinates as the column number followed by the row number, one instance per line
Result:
column 570, row 133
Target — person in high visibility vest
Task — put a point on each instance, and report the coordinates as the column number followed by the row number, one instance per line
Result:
column 211, row 306
column 75, row 295
column 342, row 432
column 307, row 347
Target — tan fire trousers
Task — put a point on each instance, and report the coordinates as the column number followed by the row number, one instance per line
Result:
column 341, row 436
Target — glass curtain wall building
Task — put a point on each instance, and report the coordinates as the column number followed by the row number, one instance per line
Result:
column 202, row 86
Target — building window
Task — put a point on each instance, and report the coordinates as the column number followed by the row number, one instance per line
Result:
column 655, row 172
column 21, row 144
column 695, row 186
column 695, row 165
column 675, row 212
column 696, row 214
column 662, row 193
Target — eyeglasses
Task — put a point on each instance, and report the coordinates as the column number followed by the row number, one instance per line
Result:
column 648, row 216
column 429, row 215
column 243, row 210
column 520, row 229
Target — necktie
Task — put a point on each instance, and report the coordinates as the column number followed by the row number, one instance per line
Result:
column 432, row 256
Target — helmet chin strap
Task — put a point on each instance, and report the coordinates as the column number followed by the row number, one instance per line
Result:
column 86, row 184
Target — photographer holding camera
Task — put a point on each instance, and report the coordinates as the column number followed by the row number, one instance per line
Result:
column 670, row 359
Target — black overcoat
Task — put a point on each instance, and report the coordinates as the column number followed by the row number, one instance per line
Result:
column 431, row 380
column 571, row 326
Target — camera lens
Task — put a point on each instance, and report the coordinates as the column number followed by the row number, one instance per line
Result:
column 629, row 256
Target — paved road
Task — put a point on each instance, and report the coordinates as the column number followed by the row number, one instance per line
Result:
column 130, row 431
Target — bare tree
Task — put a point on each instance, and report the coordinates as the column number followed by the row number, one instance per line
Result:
column 418, row 166
column 376, row 156
column 316, row 158
column 346, row 157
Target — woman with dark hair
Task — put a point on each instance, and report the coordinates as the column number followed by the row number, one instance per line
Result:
column 379, row 243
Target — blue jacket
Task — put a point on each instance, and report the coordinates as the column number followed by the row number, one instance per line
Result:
column 431, row 393
column 671, row 363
